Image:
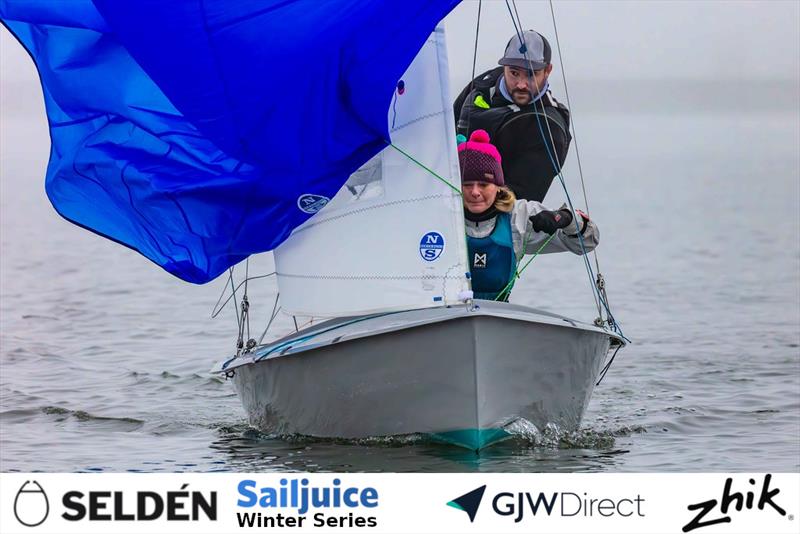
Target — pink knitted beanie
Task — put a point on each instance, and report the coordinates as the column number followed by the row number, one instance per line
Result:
column 480, row 160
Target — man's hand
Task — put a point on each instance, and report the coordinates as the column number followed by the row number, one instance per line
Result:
column 550, row 221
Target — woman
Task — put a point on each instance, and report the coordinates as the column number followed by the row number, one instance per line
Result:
column 502, row 229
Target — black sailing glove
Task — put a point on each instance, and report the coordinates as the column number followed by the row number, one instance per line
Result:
column 550, row 221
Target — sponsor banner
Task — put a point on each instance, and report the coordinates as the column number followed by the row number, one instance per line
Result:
column 385, row 503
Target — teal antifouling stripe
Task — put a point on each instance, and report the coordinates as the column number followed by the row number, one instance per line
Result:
column 472, row 438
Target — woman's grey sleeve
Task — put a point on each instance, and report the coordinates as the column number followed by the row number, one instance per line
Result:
column 565, row 239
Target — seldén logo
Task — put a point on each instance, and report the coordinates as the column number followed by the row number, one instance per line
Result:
column 31, row 506
column 469, row 502
column 180, row 505
column 739, row 501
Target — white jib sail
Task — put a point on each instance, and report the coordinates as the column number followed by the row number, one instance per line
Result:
column 393, row 237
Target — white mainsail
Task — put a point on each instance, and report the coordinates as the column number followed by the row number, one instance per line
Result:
column 393, row 237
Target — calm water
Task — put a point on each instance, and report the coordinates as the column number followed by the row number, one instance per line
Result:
column 104, row 358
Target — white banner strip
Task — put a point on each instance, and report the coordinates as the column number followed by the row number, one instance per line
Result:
column 388, row 503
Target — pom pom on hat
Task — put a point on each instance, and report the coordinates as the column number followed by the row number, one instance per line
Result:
column 480, row 160
column 479, row 136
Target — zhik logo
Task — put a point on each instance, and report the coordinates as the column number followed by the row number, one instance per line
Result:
column 736, row 499
column 31, row 506
column 469, row 502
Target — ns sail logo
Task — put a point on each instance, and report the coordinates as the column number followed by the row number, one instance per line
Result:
column 431, row 246
column 311, row 204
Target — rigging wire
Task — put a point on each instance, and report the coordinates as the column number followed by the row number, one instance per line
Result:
column 517, row 27
column 472, row 78
column 235, row 304
column 600, row 280
column 475, row 51
column 217, row 308
column 275, row 310
column 571, row 117
column 242, row 314
column 506, row 290
column 245, row 301
column 596, row 285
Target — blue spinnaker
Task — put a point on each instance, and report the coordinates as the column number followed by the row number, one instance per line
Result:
column 191, row 130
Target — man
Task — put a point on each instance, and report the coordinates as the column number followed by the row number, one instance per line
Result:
column 513, row 104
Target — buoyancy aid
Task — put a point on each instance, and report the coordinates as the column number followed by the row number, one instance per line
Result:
column 493, row 263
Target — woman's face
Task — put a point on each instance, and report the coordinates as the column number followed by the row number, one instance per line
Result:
column 478, row 196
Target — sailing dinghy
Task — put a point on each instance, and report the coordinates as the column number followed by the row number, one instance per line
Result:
column 361, row 205
column 462, row 374
column 408, row 351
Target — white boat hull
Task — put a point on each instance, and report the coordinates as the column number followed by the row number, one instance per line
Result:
column 460, row 374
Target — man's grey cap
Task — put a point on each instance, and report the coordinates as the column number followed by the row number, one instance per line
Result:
column 533, row 54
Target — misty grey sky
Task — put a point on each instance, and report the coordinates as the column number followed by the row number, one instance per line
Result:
column 601, row 40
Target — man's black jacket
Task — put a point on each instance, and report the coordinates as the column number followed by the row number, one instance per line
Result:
column 522, row 134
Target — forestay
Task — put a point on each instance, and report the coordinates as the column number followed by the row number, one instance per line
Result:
column 393, row 237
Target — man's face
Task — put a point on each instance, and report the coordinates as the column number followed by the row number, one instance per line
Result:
column 522, row 85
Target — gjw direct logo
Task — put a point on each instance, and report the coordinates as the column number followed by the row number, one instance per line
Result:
column 705, row 516
column 469, row 502
column 32, row 505
column 523, row 505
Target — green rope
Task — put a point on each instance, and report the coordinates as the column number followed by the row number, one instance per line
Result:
column 409, row 156
column 503, row 295
column 454, row 188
